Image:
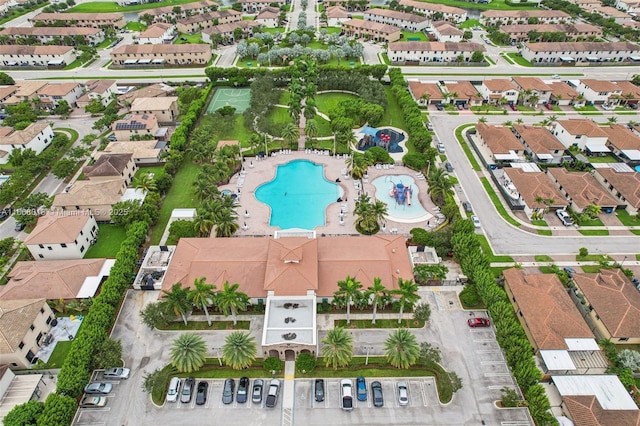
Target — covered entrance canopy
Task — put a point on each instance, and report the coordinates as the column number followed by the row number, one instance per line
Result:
column 289, row 325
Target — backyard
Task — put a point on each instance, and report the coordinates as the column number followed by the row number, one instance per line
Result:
column 108, row 242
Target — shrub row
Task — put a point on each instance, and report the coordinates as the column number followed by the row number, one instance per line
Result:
column 180, row 136
column 509, row 331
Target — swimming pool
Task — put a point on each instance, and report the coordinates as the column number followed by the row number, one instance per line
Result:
column 298, row 195
column 397, row 191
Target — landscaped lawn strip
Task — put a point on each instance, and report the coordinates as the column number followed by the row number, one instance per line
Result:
column 108, row 242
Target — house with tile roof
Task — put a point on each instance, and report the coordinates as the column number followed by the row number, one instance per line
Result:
column 195, row 23
column 501, row 143
column 23, row 90
column 425, row 93
column 444, row 31
column 110, row 166
column 494, row 90
column 498, row 17
column 539, row 143
column 583, row 133
column 41, row 57
column 406, row 21
column 533, row 91
column 51, row 94
column 158, row 33
column 269, row 17
column 23, row 325
column 623, row 185
column 136, row 125
column 563, row 95
column 62, row 236
column 600, row 91
column 142, row 152
column 422, row 52
column 612, row 305
column 93, row 20
column 92, row 36
column 37, row 136
column 371, row 30
column 104, row 90
column 558, row 334
column 187, row 55
column 566, row 52
column 623, row 142
column 581, row 189
column 449, row 13
column 463, row 93
column 165, row 109
column 535, row 190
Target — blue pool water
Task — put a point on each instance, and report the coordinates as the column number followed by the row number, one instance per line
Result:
column 637, row 168
column 398, row 208
column 298, row 195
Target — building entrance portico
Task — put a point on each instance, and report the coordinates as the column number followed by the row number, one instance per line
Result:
column 290, row 326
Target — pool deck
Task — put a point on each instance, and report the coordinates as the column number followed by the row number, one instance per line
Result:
column 258, row 172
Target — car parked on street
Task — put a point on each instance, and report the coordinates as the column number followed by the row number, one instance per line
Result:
column 403, row 393
column 100, row 388
column 441, row 149
column 93, row 402
column 448, row 167
column 256, row 393
column 272, row 395
column 319, row 390
column 346, row 390
column 174, row 389
column 5, row 213
column 19, row 227
column 187, row 390
column 467, row 207
column 243, row 389
column 361, row 386
column 201, row 395
column 478, row 322
column 569, row 271
column 476, row 221
column 227, row 391
column 116, row 373
column 376, row 393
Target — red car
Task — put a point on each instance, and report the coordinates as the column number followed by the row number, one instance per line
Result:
column 478, row 322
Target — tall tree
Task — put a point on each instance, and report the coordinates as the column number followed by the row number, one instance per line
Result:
column 239, row 350
column 202, row 295
column 402, row 348
column 177, row 298
column 188, row 352
column 408, row 292
column 337, row 348
column 349, row 289
column 374, row 293
column 230, row 300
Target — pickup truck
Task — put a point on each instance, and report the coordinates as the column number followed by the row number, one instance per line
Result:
column 272, row 395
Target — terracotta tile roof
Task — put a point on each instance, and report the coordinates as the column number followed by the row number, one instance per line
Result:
column 583, row 188
column 23, row 137
column 532, row 185
column 585, row 410
column 289, row 265
column 168, row 10
column 136, row 122
column 435, row 46
column 273, row 13
column 614, row 299
column 626, row 183
column 628, row 87
column 51, row 279
column 433, row 7
column 499, row 85
column 148, row 49
column 91, row 193
column 16, row 316
column 562, row 89
column 155, row 30
column 418, row 89
column 153, row 104
column 582, row 126
column 51, row 31
column 621, row 137
column 58, row 227
column 210, row 16
column 14, row 49
column 230, row 27
column 499, row 139
column 525, row 14
column 539, row 139
column 465, row 90
column 98, row 86
column 572, row 29
column 531, row 83
column 137, row 149
column 600, row 85
column 393, row 14
column 152, row 91
column 547, row 309
column 78, row 17
column 445, row 28
column 108, row 165
column 372, row 26
column 58, row 89
column 582, row 46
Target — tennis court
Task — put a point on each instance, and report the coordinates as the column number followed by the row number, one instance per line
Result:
column 237, row 98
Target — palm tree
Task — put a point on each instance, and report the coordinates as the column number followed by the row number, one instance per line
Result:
column 145, row 182
column 408, row 292
column 230, row 300
column 226, row 223
column 374, row 293
column 337, row 348
column 533, row 100
column 519, row 121
column 425, row 98
column 202, row 295
column 482, row 119
column 592, row 211
column 178, row 300
column 349, row 289
column 402, row 348
column 612, row 120
column 239, row 350
column 439, row 185
column 311, row 129
column 290, row 134
column 188, row 352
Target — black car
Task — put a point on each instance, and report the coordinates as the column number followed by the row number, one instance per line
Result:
column 201, row 396
column 319, row 390
column 439, row 107
column 187, row 390
column 376, row 392
column 243, row 389
column 467, row 207
column 5, row 213
column 19, row 227
column 227, row 391
column 448, row 167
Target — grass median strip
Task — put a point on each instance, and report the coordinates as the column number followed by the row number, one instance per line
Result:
column 203, row 325
column 496, row 202
column 486, row 248
column 380, row 323
column 466, row 148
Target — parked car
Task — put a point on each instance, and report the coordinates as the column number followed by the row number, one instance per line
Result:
column 376, row 392
column 633, row 106
column 116, row 373
column 440, row 147
column 187, row 390
column 564, row 217
column 272, row 395
column 5, row 213
column 227, row 391
column 347, row 394
column 570, row 271
column 201, row 395
column 174, row 389
column 93, row 402
column 19, row 227
column 101, row 388
column 256, row 394
column 430, row 127
column 476, row 221
column 403, row 393
column 548, row 106
column 513, row 107
column 459, row 106
column 319, row 390
column 243, row 389
column 361, row 386
column 467, row 207
column 440, row 107
column 556, row 76
column 448, row 167
column 478, row 322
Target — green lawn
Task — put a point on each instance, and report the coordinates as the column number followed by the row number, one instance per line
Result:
column 380, row 323
column 515, row 57
column 109, row 239
column 487, row 108
column 409, row 36
column 324, row 127
column 333, row 30
column 59, row 353
column 106, row 42
column 593, row 232
column 203, row 325
column 469, row 23
column 627, row 219
column 542, row 258
column 279, row 115
column 327, row 101
column 587, row 108
column 466, row 148
column 494, row 5
column 604, row 159
column 135, row 26
column 546, row 269
column 496, row 202
column 591, row 269
column 273, row 30
column 189, row 39
column 545, row 232
column 486, row 248
column 16, row 13
column 107, row 7
column 393, row 113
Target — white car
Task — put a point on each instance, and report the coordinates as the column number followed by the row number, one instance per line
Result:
column 347, row 394
column 476, row 221
column 174, row 389
column 403, row 393
column 556, row 76
column 116, row 373
column 440, row 147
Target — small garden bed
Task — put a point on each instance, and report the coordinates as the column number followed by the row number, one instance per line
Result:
column 203, row 325
column 380, row 323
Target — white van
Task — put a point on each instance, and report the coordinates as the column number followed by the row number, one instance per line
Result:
column 174, row 389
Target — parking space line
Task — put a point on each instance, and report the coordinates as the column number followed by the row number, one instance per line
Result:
column 425, row 400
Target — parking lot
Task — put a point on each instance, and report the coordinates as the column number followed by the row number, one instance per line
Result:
column 100, row 416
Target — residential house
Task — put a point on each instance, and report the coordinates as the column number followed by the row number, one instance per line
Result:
column 623, row 185
column 582, row 133
column 336, row 15
column 227, row 31
column 520, row 32
column 509, row 17
column 23, row 324
column 103, row 90
column 94, row 20
column 502, row 144
column 579, row 52
column 596, row 400
column 137, row 126
column 147, row 152
column 6, row 92
column 540, row 144
column 108, row 166
column 420, row 52
column 36, row 137
column 51, row 94
column 62, row 236
column 581, row 189
column 161, row 54
column 532, row 90
column 13, row 55
column 157, row 90
column 351, row 6
column 600, row 92
column 553, row 324
column 168, row 14
column 611, row 305
column 623, row 142
column 406, row 21
column 498, row 91
column 91, row 36
column 630, row 92
column 462, row 93
column 371, row 30
column 159, row 33
column 23, row 90
column 269, row 17
column 436, row 11
column 165, row 109
column 56, row 279
column 629, row 6
column 255, row 6
column 611, row 13
column 196, row 23
column 535, row 190
column 425, row 93
column 444, row 31
column 563, row 94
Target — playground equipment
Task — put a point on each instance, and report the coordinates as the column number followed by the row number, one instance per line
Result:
column 401, row 193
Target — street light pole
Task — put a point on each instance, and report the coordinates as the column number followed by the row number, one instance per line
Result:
column 367, row 348
column 218, row 354
column 622, row 263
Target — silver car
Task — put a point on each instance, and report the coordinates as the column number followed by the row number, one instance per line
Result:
column 403, row 393
column 100, row 388
column 256, row 394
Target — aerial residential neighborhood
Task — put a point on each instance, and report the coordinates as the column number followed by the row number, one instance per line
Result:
column 303, row 212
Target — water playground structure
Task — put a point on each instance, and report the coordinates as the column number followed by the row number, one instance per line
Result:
column 401, row 193
column 387, row 138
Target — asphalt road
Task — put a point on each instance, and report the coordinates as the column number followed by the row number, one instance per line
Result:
column 504, row 237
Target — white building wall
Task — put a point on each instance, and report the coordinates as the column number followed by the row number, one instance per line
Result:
column 73, row 250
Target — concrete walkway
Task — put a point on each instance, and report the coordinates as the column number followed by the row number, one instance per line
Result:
column 288, row 393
